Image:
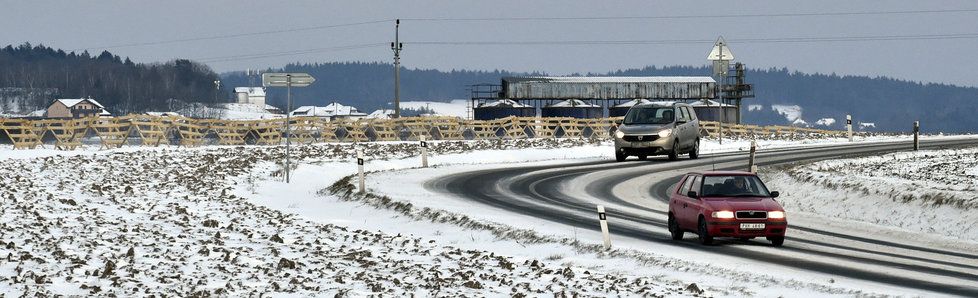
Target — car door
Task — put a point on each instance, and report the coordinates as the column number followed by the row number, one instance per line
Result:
column 692, row 208
column 679, row 198
column 690, row 132
column 680, row 130
column 694, row 124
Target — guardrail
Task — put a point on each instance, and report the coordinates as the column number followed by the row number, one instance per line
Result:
column 146, row 130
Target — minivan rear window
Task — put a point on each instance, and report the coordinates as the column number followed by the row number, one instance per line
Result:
column 650, row 116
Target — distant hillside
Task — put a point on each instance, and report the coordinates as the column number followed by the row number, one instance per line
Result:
column 32, row 76
column 890, row 105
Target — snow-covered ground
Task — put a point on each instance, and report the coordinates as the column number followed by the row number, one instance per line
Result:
column 929, row 191
column 219, row 220
column 456, row 107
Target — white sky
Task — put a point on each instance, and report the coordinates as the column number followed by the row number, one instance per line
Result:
column 95, row 24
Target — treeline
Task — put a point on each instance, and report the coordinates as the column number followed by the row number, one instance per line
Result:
column 892, row 105
column 120, row 84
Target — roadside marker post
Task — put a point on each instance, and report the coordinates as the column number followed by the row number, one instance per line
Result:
column 424, row 152
column 604, row 227
column 750, row 163
column 916, row 135
column 849, row 126
column 360, row 166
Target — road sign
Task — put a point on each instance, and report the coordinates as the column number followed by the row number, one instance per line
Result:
column 720, row 51
column 282, row 79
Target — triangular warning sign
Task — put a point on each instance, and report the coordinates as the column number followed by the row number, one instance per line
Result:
column 720, row 47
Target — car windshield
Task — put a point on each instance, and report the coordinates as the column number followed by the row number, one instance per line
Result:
column 734, row 186
column 649, row 116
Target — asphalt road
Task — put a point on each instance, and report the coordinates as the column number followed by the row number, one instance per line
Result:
column 636, row 196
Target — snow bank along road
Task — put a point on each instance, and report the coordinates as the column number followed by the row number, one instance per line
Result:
column 636, row 196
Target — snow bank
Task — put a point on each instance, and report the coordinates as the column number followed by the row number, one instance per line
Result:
column 933, row 191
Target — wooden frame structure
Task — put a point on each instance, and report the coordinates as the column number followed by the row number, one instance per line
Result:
column 146, row 130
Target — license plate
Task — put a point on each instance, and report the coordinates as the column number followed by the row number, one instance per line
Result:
column 751, row 226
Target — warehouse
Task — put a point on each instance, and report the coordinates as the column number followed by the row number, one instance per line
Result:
column 595, row 96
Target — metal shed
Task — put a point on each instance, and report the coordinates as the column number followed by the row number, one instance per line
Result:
column 608, row 87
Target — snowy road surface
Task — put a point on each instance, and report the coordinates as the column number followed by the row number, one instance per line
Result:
column 635, row 194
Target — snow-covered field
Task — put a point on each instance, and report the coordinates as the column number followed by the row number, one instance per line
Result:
column 185, row 222
column 219, row 220
column 929, row 191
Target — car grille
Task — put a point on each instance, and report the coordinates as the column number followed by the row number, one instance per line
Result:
column 752, row 214
column 641, row 138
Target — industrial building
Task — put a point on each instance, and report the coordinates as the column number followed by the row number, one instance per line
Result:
column 595, row 97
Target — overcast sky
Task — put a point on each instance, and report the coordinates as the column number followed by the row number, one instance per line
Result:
column 98, row 24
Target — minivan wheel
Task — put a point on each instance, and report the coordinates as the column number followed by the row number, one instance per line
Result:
column 674, row 230
column 674, row 154
column 695, row 153
column 619, row 156
column 705, row 237
column 777, row 240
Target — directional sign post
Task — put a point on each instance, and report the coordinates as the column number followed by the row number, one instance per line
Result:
column 287, row 80
column 721, row 56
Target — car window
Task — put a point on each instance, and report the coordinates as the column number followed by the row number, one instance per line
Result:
column 690, row 114
column 697, row 184
column 734, row 186
column 649, row 115
column 684, row 188
column 681, row 115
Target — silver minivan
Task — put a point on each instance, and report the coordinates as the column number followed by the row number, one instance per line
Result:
column 658, row 128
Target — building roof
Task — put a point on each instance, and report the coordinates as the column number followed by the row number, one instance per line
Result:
column 631, row 103
column 504, row 103
column 573, row 103
column 382, row 114
column 252, row 91
column 330, row 110
column 72, row 102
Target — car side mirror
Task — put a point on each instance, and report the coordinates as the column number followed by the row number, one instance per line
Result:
column 775, row 194
column 692, row 194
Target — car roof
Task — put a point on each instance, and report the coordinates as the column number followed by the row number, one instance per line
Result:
column 723, row 173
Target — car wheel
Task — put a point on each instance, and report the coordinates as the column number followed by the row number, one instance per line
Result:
column 674, row 154
column 776, row 241
column 619, row 156
column 643, row 157
column 677, row 233
column 704, row 234
column 695, row 153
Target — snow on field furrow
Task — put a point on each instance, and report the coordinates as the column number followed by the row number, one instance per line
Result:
column 878, row 190
column 166, row 222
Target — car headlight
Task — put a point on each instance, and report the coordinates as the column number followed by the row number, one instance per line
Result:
column 665, row 133
column 775, row 214
column 619, row 134
column 723, row 214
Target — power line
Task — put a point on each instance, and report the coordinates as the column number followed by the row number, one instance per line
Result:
column 703, row 41
column 287, row 53
column 299, row 29
column 215, row 37
column 714, row 16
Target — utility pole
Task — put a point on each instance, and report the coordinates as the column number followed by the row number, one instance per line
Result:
column 397, row 46
column 217, row 89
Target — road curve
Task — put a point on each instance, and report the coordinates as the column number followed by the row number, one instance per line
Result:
column 635, row 194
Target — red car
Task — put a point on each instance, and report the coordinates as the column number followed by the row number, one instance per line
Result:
column 725, row 204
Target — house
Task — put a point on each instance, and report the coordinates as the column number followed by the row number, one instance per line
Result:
column 330, row 111
column 250, row 95
column 75, row 108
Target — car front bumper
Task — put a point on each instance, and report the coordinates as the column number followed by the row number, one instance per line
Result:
column 658, row 146
column 732, row 228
